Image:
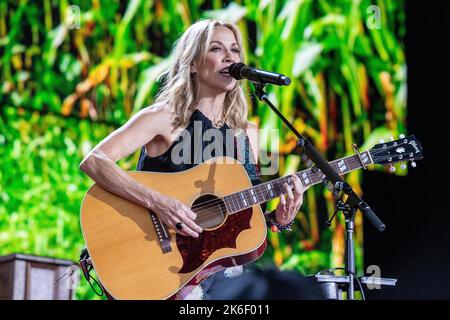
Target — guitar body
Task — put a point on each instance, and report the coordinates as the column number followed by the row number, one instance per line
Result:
column 125, row 248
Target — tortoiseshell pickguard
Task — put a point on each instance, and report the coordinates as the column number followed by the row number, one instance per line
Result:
column 195, row 251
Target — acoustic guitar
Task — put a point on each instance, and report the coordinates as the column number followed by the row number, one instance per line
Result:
column 137, row 257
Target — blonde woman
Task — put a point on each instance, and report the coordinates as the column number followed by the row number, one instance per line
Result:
column 198, row 95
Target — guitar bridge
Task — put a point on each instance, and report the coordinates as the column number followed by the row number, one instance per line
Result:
column 161, row 232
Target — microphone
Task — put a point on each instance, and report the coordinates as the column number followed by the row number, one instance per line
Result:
column 240, row 71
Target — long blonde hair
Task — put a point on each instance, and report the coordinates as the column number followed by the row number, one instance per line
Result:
column 179, row 89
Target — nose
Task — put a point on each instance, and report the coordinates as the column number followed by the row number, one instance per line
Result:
column 228, row 56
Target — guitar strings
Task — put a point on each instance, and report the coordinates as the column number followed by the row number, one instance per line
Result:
column 208, row 205
column 205, row 206
column 213, row 204
column 350, row 162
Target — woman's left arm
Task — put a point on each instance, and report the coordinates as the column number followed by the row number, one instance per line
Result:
column 292, row 199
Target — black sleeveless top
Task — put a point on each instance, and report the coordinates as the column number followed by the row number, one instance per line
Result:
column 198, row 142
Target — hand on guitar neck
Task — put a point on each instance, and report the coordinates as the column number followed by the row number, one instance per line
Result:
column 290, row 204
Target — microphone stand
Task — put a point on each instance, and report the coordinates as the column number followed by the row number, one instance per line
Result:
column 351, row 205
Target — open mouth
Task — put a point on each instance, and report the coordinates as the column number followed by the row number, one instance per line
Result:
column 224, row 72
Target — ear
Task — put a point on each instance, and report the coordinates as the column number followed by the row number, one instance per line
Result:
column 193, row 68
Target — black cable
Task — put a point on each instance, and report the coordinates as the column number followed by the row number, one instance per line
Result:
column 90, row 277
column 360, row 285
column 98, row 284
column 86, row 267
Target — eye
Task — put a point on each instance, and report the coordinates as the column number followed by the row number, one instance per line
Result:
column 215, row 48
column 236, row 50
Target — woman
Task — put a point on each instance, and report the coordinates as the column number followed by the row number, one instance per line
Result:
column 197, row 90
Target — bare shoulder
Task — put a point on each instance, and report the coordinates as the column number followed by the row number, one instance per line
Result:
column 158, row 111
column 139, row 130
column 154, row 119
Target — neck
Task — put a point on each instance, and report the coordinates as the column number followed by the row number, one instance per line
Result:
column 211, row 105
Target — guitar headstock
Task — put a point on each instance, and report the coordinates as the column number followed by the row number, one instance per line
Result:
column 404, row 149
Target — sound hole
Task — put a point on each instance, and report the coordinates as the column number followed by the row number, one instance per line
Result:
column 210, row 211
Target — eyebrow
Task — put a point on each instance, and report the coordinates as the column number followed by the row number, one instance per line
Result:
column 220, row 42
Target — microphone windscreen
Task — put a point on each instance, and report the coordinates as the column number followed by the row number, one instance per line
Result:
column 235, row 70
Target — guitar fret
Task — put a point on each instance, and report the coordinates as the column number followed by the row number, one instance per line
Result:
column 355, row 163
column 242, row 198
column 267, row 192
column 273, row 189
column 276, row 188
column 230, row 201
column 227, row 207
column 270, row 190
column 347, row 164
column 369, row 156
column 341, row 167
column 252, row 192
column 365, row 157
column 258, row 195
column 248, row 197
column 311, row 177
column 306, row 178
column 262, row 194
column 235, row 203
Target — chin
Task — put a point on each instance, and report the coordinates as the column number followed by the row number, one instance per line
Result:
column 223, row 86
column 229, row 87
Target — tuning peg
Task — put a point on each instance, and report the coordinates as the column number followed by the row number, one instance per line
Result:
column 413, row 164
column 391, row 168
column 381, row 141
column 403, row 166
column 401, row 136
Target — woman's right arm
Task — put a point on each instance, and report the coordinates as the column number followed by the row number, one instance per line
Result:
column 100, row 165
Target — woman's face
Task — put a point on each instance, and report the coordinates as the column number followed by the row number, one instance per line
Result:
column 222, row 52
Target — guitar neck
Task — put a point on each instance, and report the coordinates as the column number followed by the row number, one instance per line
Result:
column 266, row 191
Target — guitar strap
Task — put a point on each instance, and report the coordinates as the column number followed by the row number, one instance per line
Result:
column 246, row 157
column 87, row 267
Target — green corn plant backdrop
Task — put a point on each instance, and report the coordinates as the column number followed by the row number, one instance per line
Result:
column 67, row 83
